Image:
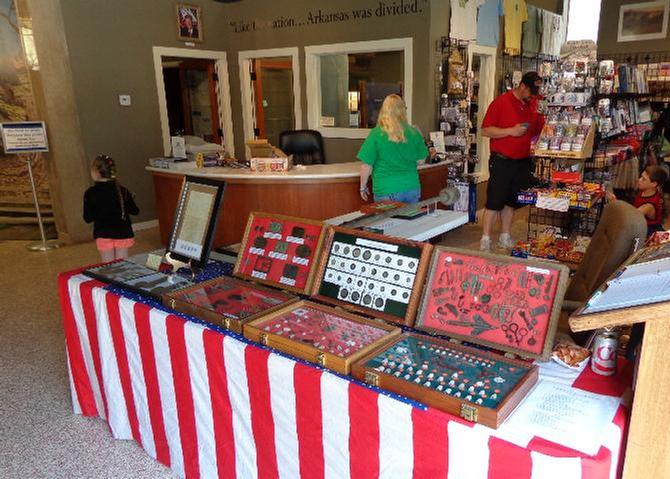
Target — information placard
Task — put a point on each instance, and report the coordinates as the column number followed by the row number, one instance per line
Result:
column 24, row 137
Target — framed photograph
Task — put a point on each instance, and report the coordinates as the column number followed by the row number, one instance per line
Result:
column 643, row 21
column 195, row 220
column 189, row 23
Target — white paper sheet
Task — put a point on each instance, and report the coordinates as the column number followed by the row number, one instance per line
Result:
column 564, row 415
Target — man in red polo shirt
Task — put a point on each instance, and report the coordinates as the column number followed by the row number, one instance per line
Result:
column 510, row 122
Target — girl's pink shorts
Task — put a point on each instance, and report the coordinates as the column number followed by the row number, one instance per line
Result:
column 109, row 243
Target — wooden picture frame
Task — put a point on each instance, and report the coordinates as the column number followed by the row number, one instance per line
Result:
column 189, row 22
column 443, row 400
column 195, row 220
column 240, row 310
column 394, row 306
column 502, row 302
column 643, row 21
column 341, row 363
column 288, row 256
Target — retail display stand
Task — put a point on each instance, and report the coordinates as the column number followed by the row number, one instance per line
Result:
column 501, row 302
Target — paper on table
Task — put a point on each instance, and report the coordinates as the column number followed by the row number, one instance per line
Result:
column 564, row 415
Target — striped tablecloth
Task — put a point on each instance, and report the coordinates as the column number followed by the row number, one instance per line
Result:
column 207, row 404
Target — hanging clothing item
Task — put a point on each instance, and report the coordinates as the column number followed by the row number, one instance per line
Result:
column 516, row 12
column 553, row 34
column 532, row 30
column 464, row 19
column 488, row 23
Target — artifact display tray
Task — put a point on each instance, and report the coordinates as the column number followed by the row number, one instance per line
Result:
column 320, row 334
column 374, row 274
column 138, row 278
column 507, row 303
column 280, row 251
column 227, row 302
column 478, row 386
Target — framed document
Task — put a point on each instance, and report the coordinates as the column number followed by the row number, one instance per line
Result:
column 195, row 220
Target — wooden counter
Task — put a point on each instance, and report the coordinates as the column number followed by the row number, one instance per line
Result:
column 315, row 191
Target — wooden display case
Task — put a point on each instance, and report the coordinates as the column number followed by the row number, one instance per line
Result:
column 280, row 251
column 506, row 303
column 227, row 302
column 503, row 302
column 585, row 152
column 476, row 385
column 320, row 334
column 377, row 275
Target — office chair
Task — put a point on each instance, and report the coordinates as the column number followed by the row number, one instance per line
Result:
column 621, row 228
column 306, row 146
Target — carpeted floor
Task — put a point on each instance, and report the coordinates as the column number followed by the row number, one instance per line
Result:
column 40, row 436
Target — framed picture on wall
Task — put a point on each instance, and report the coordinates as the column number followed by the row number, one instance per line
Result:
column 189, row 23
column 643, row 21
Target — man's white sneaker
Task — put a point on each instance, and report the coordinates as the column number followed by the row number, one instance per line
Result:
column 485, row 243
column 505, row 242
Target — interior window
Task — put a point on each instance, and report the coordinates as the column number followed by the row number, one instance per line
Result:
column 354, row 85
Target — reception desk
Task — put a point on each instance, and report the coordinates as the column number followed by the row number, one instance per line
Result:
column 315, row 191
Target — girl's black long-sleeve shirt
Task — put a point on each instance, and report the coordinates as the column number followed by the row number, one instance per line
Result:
column 102, row 207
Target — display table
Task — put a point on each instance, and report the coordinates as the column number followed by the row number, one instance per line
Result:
column 314, row 191
column 209, row 404
column 422, row 228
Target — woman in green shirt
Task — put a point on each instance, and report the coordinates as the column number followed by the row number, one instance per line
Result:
column 390, row 154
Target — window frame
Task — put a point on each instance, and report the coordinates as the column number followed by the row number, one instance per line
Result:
column 313, row 54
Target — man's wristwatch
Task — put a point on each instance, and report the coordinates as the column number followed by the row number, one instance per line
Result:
column 363, row 189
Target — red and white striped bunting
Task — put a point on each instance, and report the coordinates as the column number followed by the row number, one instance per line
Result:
column 210, row 405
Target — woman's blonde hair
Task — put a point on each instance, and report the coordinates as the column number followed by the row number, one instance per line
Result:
column 393, row 118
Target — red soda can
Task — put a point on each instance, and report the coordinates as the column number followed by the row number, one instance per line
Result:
column 604, row 353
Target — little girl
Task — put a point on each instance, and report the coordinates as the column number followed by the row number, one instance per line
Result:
column 649, row 199
column 108, row 204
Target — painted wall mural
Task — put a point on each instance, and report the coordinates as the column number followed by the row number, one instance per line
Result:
column 17, row 104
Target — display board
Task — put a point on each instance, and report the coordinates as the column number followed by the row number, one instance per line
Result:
column 280, row 251
column 477, row 385
column 507, row 303
column 320, row 334
column 195, row 220
column 227, row 302
column 138, row 278
column 374, row 274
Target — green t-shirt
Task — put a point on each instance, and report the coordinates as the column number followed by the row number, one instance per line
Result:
column 393, row 164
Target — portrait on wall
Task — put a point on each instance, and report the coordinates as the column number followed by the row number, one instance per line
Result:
column 189, row 23
column 643, row 21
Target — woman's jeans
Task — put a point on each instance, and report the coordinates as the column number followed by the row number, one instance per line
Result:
column 411, row 196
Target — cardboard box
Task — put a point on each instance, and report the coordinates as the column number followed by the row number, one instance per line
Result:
column 267, row 158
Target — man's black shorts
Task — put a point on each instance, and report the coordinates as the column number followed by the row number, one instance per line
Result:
column 507, row 178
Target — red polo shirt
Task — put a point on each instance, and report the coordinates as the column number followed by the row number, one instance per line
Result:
column 507, row 111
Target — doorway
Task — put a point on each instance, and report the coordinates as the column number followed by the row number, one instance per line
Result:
column 482, row 63
column 190, row 90
column 194, row 95
column 272, row 80
column 270, row 84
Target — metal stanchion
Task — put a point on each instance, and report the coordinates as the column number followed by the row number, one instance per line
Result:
column 44, row 245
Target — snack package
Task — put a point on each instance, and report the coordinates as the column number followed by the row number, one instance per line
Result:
column 568, row 354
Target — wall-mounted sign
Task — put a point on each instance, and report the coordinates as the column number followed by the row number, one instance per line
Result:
column 24, row 137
